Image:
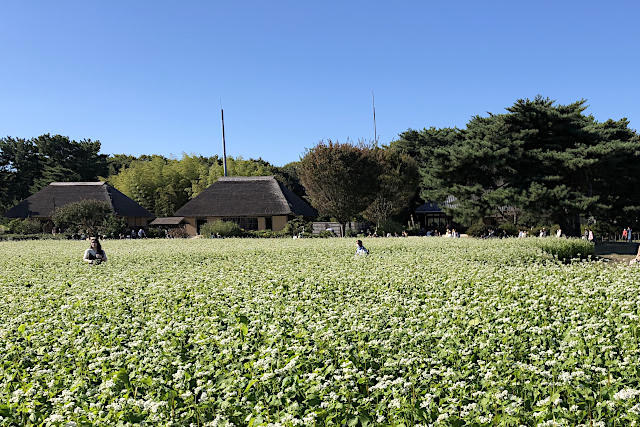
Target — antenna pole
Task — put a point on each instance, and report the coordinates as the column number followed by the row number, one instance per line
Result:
column 375, row 130
column 224, row 144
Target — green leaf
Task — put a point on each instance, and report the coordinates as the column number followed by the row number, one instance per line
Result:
column 251, row 383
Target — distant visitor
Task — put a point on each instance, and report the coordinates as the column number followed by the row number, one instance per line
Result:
column 95, row 254
column 361, row 250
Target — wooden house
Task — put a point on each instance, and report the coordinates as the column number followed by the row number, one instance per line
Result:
column 253, row 202
column 42, row 204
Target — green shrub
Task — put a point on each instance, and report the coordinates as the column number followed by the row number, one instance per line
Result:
column 351, row 233
column 267, row 234
column 508, row 228
column 221, row 228
column 478, row 229
column 155, row 232
column 566, row 249
column 113, row 226
column 83, row 216
column 297, row 225
column 178, row 233
column 25, row 226
column 390, row 226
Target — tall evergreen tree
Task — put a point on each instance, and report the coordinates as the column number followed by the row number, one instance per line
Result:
column 548, row 163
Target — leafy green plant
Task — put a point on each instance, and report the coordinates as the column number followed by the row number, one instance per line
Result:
column 221, row 228
column 113, row 226
column 85, row 216
column 24, row 226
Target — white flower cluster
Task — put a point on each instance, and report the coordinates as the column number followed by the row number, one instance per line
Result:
column 295, row 333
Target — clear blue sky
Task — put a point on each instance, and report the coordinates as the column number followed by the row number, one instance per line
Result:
column 148, row 77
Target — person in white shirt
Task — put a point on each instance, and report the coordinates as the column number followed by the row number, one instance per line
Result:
column 95, row 254
column 361, row 250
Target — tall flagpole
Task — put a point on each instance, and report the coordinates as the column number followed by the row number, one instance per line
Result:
column 224, row 144
column 375, row 130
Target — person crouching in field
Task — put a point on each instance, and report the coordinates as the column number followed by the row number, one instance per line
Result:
column 361, row 250
column 95, row 254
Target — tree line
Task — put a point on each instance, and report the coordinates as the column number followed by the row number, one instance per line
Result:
column 540, row 162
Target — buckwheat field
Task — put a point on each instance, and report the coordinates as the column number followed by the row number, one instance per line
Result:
column 423, row 331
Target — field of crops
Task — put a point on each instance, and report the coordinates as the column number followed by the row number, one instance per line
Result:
column 301, row 332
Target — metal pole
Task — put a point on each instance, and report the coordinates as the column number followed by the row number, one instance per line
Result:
column 224, row 145
column 375, row 130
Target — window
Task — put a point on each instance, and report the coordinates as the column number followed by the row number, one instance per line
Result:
column 268, row 223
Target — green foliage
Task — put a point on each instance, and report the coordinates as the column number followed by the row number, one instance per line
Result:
column 297, row 225
column 113, row 226
column 341, row 179
column 565, row 249
column 288, row 176
column 28, row 165
column 478, row 229
column 508, row 229
column 221, row 228
column 390, row 226
column 86, row 216
column 164, row 185
column 178, row 233
column 547, row 162
column 24, row 226
column 266, row 234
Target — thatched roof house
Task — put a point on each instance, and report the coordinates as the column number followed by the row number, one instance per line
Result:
column 254, row 203
column 58, row 194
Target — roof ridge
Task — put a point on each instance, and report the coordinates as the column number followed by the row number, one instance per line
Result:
column 96, row 183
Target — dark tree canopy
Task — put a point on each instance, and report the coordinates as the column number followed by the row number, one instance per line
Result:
column 28, row 165
column 340, row 178
column 540, row 162
column 346, row 181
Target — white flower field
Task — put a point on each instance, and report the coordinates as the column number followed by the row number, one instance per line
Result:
column 424, row 331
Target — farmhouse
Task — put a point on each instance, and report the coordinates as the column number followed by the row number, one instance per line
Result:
column 57, row 194
column 254, row 203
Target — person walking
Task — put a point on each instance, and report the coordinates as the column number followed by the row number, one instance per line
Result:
column 629, row 234
column 624, row 234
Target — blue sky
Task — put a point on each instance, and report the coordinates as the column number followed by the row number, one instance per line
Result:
column 148, row 77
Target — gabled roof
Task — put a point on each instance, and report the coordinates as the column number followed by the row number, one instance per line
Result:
column 57, row 194
column 432, row 207
column 168, row 220
column 246, row 196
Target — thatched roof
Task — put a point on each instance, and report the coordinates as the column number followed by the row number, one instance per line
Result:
column 168, row 220
column 57, row 194
column 250, row 196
